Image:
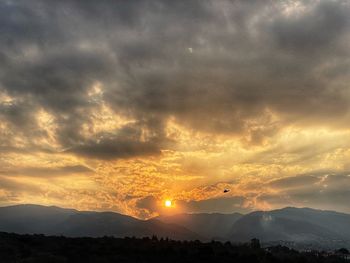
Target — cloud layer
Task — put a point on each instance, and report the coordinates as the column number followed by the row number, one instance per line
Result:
column 143, row 98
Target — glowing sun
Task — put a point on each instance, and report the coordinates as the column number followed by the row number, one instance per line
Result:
column 168, row 203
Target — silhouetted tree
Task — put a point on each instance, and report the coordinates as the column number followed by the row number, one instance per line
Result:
column 39, row 248
column 343, row 251
column 255, row 243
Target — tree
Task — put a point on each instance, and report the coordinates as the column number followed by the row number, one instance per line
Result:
column 255, row 243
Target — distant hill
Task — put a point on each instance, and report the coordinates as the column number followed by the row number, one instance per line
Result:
column 29, row 219
column 301, row 225
column 298, row 225
column 212, row 226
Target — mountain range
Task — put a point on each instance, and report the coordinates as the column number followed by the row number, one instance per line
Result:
column 35, row 219
column 211, row 226
column 297, row 225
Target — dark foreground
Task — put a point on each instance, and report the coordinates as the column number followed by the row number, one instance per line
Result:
column 39, row 248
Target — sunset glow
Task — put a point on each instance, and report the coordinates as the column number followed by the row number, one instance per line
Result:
column 119, row 106
column 168, row 203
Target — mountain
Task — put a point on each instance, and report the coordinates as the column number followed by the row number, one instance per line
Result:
column 212, row 226
column 291, row 225
column 32, row 218
column 29, row 219
column 299, row 225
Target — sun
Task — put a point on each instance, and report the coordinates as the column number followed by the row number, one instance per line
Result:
column 168, row 203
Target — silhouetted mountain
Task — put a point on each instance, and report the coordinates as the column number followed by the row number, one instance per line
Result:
column 32, row 218
column 29, row 219
column 300, row 225
column 212, row 226
column 297, row 225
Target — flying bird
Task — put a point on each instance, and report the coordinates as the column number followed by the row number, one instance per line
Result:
column 226, row 190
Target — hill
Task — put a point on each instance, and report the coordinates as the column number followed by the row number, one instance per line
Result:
column 212, row 226
column 299, row 225
column 30, row 219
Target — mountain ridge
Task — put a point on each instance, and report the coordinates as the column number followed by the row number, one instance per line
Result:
column 210, row 225
column 299, row 225
column 36, row 219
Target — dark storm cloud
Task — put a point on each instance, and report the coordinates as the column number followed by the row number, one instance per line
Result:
column 314, row 32
column 215, row 66
column 111, row 149
column 125, row 143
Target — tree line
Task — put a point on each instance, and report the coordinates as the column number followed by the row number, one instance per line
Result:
column 58, row 249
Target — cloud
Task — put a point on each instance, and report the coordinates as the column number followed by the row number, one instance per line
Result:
column 327, row 191
column 216, row 205
column 157, row 96
column 150, row 206
column 48, row 171
column 15, row 186
column 315, row 30
column 139, row 53
column 115, row 149
column 294, row 182
column 125, row 143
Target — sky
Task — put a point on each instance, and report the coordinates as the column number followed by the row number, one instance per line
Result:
column 121, row 105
